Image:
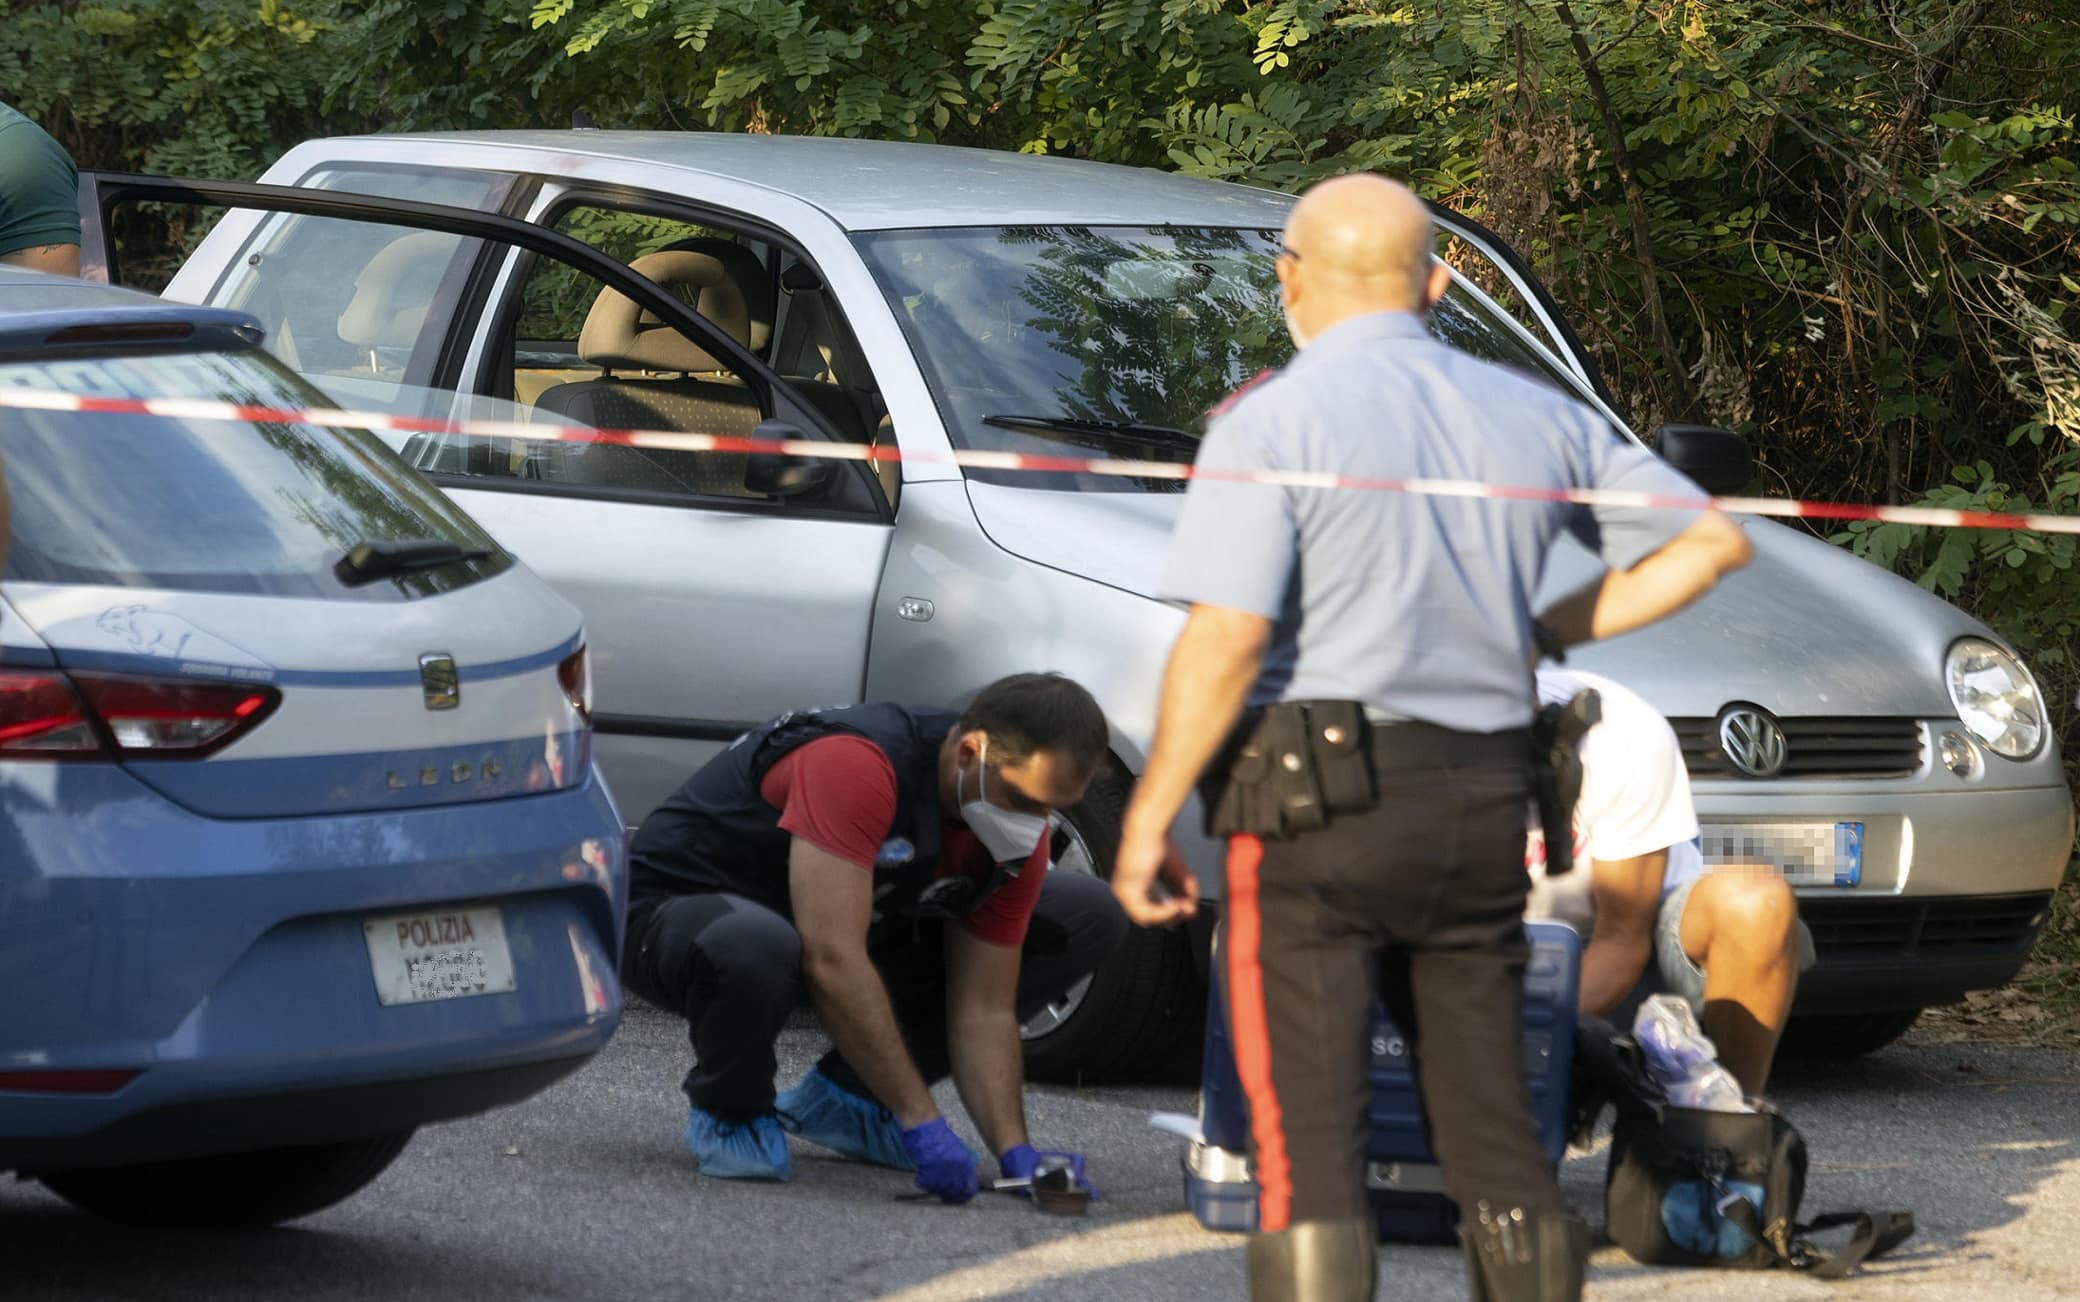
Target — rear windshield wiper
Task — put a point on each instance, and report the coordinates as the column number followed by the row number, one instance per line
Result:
column 365, row 562
column 1161, row 436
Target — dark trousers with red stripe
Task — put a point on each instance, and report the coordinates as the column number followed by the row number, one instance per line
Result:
column 1421, row 900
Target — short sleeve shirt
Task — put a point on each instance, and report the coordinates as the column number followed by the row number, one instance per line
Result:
column 838, row 793
column 39, row 187
column 1418, row 606
column 1635, row 801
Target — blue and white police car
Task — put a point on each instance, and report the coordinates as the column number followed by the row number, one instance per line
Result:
column 301, row 842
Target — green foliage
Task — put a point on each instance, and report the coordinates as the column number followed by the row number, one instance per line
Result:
column 1847, row 229
column 217, row 87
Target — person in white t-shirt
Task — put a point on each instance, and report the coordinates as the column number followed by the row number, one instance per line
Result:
column 1728, row 941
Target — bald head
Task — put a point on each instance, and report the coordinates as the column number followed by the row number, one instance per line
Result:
column 1357, row 244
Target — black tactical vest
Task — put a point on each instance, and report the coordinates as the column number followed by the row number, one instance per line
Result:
column 719, row 834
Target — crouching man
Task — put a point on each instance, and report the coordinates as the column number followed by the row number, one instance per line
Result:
column 893, row 862
column 1728, row 942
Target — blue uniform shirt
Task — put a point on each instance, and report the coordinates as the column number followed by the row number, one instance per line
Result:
column 1420, row 607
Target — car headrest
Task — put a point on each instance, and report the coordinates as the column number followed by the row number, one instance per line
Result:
column 619, row 336
column 753, row 283
column 394, row 291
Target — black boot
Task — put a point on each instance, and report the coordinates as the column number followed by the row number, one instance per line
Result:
column 1314, row 1261
column 1512, row 1257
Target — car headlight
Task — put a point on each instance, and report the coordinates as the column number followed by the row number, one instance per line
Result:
column 1996, row 698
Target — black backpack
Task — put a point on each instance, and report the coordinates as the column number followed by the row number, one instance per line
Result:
column 1690, row 1187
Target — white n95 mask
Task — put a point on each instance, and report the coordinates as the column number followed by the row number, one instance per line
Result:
column 1008, row 835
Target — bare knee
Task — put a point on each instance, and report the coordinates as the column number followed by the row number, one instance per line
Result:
column 1755, row 913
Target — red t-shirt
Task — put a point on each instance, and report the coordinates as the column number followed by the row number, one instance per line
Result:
column 838, row 793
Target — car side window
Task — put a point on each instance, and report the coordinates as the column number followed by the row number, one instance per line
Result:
column 815, row 351
column 580, row 352
column 358, row 303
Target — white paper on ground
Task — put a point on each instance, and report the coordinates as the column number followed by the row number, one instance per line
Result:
column 1182, row 1124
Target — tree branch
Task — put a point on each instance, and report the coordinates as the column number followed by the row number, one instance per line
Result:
column 1636, row 211
column 1852, row 38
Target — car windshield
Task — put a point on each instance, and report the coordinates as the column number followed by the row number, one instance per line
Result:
column 1113, row 339
column 211, row 505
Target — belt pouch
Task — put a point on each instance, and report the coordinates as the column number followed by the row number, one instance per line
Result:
column 1339, row 739
column 1288, row 767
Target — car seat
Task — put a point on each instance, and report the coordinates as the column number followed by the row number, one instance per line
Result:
column 653, row 377
column 745, row 269
column 393, row 294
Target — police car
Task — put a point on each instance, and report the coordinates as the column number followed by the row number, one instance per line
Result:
column 301, row 841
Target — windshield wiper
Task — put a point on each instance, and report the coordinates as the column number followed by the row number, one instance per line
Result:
column 1161, row 436
column 365, row 562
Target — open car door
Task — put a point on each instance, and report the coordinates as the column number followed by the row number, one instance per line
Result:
column 1490, row 265
column 718, row 589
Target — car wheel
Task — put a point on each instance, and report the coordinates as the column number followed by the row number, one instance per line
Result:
column 1128, row 1018
column 1832, row 1037
column 233, row 1190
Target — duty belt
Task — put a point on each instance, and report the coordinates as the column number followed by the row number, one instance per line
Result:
column 1291, row 768
column 1417, row 745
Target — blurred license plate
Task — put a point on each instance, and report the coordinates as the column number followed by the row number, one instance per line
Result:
column 438, row 954
column 1808, row 854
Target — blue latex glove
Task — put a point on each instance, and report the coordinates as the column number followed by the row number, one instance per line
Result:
column 1020, row 1162
column 945, row 1166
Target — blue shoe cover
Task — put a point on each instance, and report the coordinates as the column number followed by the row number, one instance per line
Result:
column 827, row 1114
column 751, row 1150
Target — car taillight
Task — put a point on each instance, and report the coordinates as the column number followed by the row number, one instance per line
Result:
column 574, row 671
column 44, row 714
column 41, row 717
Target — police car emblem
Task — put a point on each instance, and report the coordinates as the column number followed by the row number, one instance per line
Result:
column 440, row 681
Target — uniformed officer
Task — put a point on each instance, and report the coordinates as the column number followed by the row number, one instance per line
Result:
column 1406, row 621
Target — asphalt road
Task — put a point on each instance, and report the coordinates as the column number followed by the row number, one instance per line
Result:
column 585, row 1193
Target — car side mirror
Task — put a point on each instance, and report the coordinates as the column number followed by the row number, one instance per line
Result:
column 1718, row 459
column 780, row 475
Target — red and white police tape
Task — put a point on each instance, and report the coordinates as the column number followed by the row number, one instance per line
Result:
column 983, row 459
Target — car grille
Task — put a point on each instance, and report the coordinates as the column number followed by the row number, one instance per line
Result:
column 1815, row 746
column 1936, row 928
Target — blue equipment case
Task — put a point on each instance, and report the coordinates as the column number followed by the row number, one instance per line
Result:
column 1406, row 1186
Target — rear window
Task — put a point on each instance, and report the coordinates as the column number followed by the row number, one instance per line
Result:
column 209, row 505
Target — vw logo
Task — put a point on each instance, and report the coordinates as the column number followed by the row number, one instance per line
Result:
column 1752, row 740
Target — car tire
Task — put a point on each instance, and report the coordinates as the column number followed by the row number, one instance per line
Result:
column 232, row 1190
column 1834, row 1037
column 1145, row 1003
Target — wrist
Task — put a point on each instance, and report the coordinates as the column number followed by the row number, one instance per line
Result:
column 1018, row 1161
column 912, row 1120
column 1144, row 822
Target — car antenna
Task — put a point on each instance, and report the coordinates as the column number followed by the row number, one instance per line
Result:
column 582, row 121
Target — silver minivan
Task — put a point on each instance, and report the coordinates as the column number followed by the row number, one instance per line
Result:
column 1883, row 749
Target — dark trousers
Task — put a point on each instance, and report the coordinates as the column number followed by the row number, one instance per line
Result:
column 734, row 968
column 1422, row 900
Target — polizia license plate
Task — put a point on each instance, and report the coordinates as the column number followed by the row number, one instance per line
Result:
column 438, row 954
